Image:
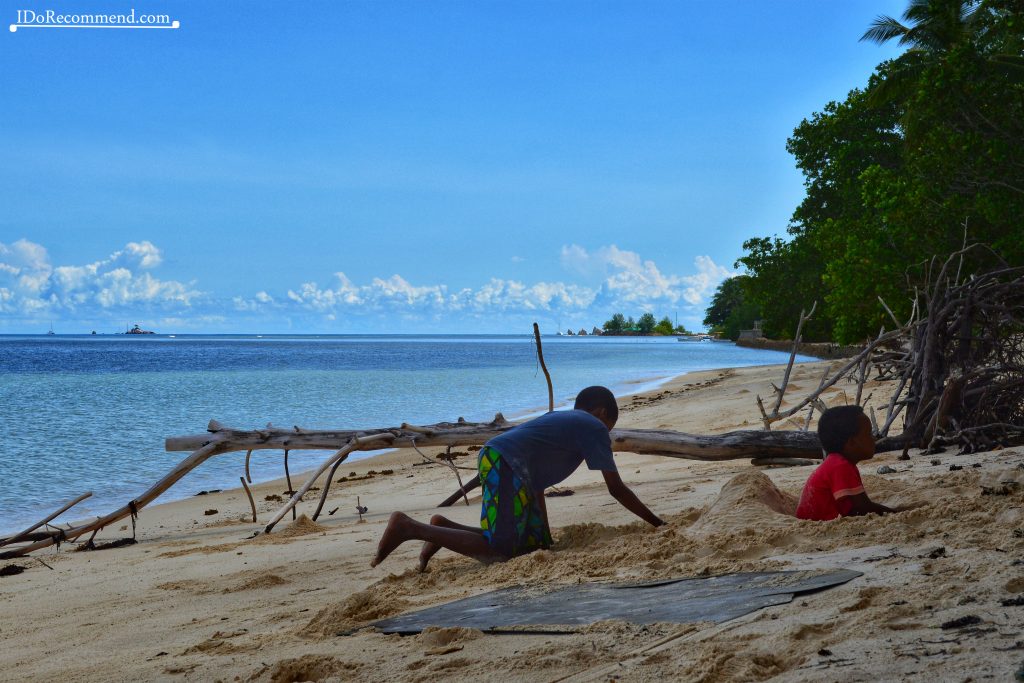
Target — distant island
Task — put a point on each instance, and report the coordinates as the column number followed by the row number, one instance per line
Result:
column 138, row 330
column 647, row 326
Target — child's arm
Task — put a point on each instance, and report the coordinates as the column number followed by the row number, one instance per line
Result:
column 628, row 499
column 862, row 505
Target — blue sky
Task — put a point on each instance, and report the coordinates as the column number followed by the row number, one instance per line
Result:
column 422, row 166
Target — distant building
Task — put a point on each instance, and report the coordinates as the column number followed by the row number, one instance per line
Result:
column 755, row 333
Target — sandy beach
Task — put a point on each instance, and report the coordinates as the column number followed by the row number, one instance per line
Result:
column 198, row 599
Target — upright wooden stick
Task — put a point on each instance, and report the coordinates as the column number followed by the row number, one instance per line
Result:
column 288, row 478
column 252, row 503
column 547, row 375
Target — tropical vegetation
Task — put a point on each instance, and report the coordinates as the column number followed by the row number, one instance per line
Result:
column 927, row 156
column 647, row 324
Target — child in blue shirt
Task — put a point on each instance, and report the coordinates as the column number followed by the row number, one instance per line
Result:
column 515, row 467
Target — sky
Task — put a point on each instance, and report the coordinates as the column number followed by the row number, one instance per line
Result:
column 429, row 166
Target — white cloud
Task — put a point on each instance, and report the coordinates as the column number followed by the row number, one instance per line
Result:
column 576, row 259
column 26, row 264
column 629, row 280
column 507, row 295
column 703, row 283
column 627, row 283
column 145, row 253
column 33, row 286
column 596, row 283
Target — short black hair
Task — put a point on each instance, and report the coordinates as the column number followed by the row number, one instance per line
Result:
column 837, row 425
column 595, row 397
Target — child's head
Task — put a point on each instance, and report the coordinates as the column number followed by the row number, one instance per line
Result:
column 846, row 430
column 599, row 402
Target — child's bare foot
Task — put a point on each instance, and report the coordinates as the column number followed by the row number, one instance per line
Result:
column 428, row 551
column 395, row 534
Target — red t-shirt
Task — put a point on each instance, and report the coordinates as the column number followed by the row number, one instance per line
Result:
column 827, row 492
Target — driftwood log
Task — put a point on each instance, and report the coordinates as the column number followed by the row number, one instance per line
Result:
column 27, row 534
column 735, row 445
column 220, row 439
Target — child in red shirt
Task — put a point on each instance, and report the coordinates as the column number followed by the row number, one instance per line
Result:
column 835, row 489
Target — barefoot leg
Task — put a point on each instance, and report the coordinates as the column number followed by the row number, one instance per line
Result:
column 402, row 528
column 430, row 548
column 395, row 534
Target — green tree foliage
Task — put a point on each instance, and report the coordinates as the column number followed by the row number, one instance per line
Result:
column 646, row 324
column 728, row 296
column 731, row 308
column 619, row 324
column 616, row 324
column 928, row 155
column 664, row 326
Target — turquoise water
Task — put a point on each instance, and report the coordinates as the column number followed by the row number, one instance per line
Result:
column 80, row 413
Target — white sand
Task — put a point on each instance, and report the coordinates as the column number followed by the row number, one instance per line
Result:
column 196, row 599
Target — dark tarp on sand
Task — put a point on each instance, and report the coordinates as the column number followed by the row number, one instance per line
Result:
column 714, row 598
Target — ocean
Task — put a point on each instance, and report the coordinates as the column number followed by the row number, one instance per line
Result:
column 90, row 413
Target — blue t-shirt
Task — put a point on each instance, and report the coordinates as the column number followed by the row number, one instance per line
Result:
column 546, row 450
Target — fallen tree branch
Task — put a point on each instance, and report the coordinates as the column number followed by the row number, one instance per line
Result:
column 131, row 509
column 27, row 533
column 735, row 445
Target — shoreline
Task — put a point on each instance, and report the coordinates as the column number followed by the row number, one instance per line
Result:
column 818, row 350
column 626, row 389
column 646, row 389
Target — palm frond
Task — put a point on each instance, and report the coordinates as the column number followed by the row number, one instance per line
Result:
column 884, row 29
column 1010, row 66
column 918, row 11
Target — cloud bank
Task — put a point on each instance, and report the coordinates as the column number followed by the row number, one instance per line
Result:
column 595, row 283
column 31, row 285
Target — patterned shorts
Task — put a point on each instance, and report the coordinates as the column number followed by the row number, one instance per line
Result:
column 510, row 516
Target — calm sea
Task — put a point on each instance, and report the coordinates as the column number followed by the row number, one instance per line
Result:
column 90, row 413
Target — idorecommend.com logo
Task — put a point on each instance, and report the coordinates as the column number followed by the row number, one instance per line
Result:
column 28, row 18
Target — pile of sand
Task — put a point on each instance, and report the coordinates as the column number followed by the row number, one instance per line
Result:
column 376, row 602
column 302, row 526
column 748, row 501
column 257, row 583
